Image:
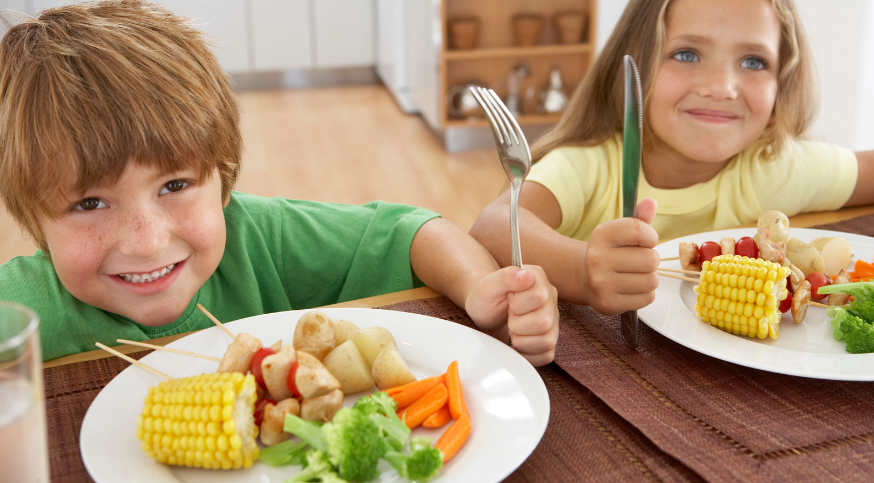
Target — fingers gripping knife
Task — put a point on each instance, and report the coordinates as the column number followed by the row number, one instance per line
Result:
column 632, row 134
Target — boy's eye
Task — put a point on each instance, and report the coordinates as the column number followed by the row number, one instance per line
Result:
column 90, row 204
column 686, row 56
column 174, row 186
column 753, row 63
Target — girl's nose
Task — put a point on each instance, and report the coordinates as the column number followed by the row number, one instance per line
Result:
column 144, row 233
column 718, row 83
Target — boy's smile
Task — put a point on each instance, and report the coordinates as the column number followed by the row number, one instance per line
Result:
column 143, row 247
column 715, row 88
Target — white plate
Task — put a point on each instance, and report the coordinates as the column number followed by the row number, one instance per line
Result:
column 807, row 349
column 507, row 400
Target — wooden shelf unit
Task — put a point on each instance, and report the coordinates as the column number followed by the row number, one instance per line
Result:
column 496, row 55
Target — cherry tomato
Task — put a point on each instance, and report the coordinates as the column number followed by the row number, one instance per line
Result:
column 708, row 250
column 817, row 280
column 786, row 303
column 746, row 247
column 255, row 366
column 292, row 384
column 259, row 410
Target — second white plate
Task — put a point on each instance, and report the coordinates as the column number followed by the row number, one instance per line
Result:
column 807, row 349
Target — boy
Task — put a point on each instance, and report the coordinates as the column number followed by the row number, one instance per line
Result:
column 121, row 147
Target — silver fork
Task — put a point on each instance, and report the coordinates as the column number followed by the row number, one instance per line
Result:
column 514, row 154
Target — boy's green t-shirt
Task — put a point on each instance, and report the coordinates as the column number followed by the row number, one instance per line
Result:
column 280, row 255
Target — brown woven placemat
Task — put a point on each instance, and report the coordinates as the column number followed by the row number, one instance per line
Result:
column 724, row 421
column 585, row 440
column 69, row 391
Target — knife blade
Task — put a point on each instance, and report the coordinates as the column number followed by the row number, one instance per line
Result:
column 631, row 140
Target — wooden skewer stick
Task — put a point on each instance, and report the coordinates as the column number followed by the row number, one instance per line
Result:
column 216, row 322
column 675, row 270
column 132, row 360
column 168, row 349
column 669, row 259
column 680, row 277
column 817, row 304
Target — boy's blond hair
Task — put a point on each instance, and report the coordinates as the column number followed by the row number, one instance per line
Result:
column 596, row 110
column 85, row 88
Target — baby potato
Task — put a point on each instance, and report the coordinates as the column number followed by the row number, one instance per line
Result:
column 804, row 256
column 778, row 224
column 371, row 341
column 314, row 334
column 390, row 369
column 837, row 253
column 342, row 329
column 349, row 367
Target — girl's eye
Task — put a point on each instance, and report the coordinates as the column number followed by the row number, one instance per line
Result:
column 686, row 56
column 174, row 186
column 90, row 204
column 753, row 63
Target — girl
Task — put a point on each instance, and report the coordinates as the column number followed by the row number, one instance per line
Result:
column 728, row 92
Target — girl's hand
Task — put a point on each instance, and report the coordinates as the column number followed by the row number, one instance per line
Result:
column 620, row 263
column 519, row 305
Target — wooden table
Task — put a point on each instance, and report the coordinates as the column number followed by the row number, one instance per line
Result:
column 659, row 413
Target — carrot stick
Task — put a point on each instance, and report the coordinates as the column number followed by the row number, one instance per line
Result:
column 457, row 406
column 409, row 393
column 441, row 417
column 863, row 269
column 454, row 437
column 429, row 404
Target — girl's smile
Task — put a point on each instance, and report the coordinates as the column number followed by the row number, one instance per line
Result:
column 714, row 92
column 142, row 247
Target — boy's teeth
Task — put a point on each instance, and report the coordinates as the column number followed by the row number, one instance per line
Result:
column 147, row 277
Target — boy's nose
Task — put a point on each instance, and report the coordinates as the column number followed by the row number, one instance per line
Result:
column 718, row 83
column 144, row 233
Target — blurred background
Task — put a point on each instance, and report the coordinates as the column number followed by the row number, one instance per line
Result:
column 351, row 101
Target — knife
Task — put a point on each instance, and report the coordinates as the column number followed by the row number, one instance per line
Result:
column 632, row 134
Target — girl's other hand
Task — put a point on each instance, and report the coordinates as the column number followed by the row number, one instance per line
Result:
column 620, row 262
column 519, row 305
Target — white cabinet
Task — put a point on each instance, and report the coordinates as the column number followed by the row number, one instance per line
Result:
column 343, row 33
column 223, row 21
column 393, row 50
column 272, row 35
column 281, row 34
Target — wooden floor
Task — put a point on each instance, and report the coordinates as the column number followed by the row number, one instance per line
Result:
column 345, row 145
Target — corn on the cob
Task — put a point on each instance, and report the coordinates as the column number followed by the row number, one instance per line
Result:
column 204, row 421
column 742, row 295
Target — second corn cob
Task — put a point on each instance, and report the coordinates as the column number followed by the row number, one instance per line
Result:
column 204, row 421
column 742, row 295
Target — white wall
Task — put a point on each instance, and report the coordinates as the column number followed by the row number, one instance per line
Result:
column 841, row 34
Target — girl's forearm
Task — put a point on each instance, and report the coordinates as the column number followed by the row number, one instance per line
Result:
column 561, row 257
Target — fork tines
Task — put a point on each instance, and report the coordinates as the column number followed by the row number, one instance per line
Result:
column 500, row 118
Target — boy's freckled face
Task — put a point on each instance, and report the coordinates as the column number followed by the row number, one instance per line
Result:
column 143, row 247
column 715, row 89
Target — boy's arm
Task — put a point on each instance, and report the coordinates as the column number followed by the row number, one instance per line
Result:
column 863, row 193
column 613, row 272
column 510, row 304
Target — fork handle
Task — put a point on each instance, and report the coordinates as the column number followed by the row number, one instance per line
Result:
column 514, row 224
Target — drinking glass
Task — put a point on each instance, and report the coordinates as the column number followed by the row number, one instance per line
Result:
column 23, row 447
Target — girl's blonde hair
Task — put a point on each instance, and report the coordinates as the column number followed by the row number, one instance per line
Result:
column 85, row 88
column 596, row 110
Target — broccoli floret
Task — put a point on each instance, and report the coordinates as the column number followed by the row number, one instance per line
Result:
column 317, row 466
column 854, row 323
column 355, row 445
column 423, row 462
column 382, row 410
column 353, row 442
column 285, row 453
column 858, row 334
